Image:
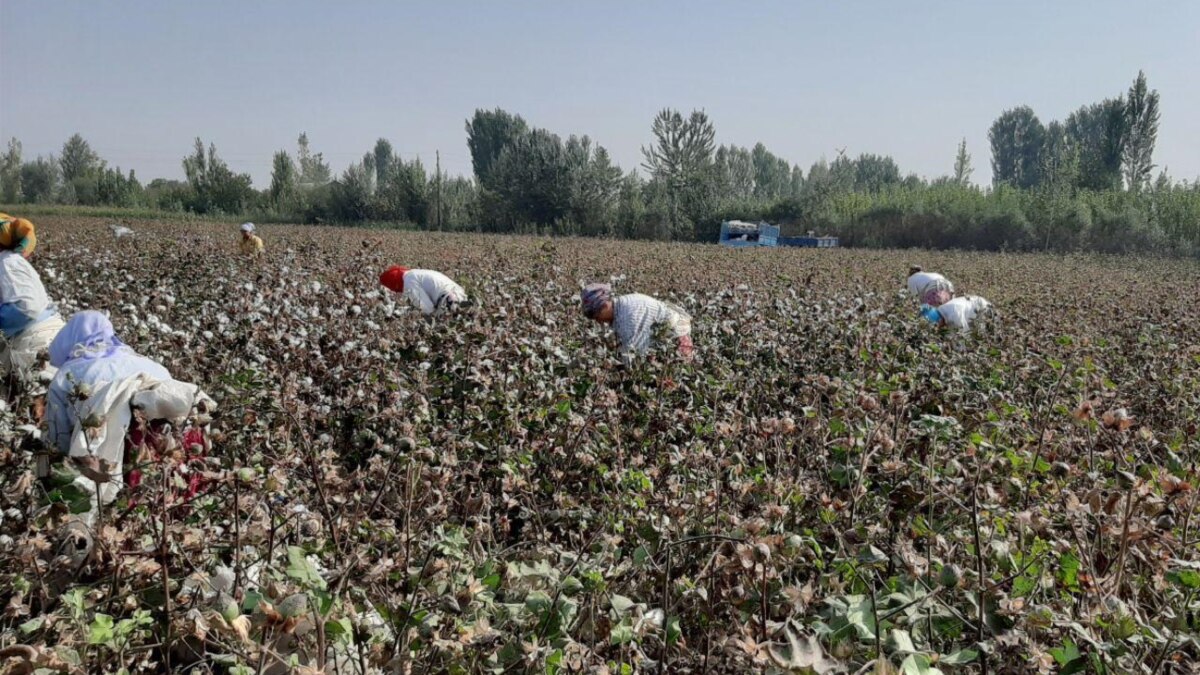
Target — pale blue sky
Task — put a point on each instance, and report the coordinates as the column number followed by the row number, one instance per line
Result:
column 140, row 80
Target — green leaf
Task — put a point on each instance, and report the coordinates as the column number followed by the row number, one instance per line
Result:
column 303, row 571
column 640, row 556
column 674, row 630
column 621, row 604
column 1068, row 655
column 341, row 629
column 960, row 657
column 554, row 662
column 101, row 630
column 250, row 602
column 538, row 602
column 622, row 633
column 903, row 641
column 872, row 556
column 918, row 664
column 1068, row 572
column 32, row 625
column 1184, row 577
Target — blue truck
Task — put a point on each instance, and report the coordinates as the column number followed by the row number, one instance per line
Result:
column 743, row 234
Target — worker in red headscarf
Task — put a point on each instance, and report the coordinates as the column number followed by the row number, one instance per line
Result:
column 431, row 291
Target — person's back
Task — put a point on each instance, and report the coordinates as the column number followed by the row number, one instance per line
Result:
column 919, row 281
column 634, row 317
column 962, row 311
column 429, row 290
column 20, row 285
column 433, row 283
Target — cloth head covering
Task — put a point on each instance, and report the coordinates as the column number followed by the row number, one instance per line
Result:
column 247, row 227
column 594, row 297
column 87, row 335
column 393, row 278
column 913, row 269
column 931, row 314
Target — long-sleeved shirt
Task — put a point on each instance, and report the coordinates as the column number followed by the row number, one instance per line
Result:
column 23, row 300
column 17, row 234
column 251, row 245
column 917, row 283
column 960, row 312
column 121, row 365
column 431, row 290
column 635, row 316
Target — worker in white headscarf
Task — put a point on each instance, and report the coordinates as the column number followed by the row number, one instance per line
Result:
column 28, row 320
column 99, row 383
column 634, row 317
column 930, row 288
column 250, row 243
column 962, row 313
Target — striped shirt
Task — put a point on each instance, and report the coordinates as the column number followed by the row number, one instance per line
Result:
column 635, row 316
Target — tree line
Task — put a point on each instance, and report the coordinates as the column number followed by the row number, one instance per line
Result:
column 1084, row 183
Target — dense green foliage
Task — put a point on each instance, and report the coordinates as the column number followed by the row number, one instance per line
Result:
column 1083, row 183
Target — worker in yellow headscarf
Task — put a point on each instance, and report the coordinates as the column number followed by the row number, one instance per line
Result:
column 16, row 234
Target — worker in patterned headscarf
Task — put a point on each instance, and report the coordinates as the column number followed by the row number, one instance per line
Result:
column 250, row 244
column 634, row 317
column 17, row 234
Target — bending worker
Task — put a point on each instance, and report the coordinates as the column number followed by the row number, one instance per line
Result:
column 251, row 244
column 961, row 313
column 634, row 317
column 99, row 377
column 930, row 288
column 17, row 234
column 431, row 291
column 28, row 320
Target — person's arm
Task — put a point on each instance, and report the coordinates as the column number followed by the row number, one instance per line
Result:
column 681, row 330
column 13, row 319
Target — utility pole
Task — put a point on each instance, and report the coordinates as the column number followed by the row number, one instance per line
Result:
column 438, row 159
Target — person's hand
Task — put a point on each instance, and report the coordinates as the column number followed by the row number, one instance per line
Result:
column 686, row 349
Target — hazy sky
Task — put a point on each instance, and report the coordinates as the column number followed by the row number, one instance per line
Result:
column 140, row 80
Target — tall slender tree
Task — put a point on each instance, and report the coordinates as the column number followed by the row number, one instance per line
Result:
column 1141, row 115
column 313, row 169
column 681, row 159
column 10, row 172
column 962, row 164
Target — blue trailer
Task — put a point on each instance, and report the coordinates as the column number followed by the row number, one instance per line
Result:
column 743, row 234
column 809, row 242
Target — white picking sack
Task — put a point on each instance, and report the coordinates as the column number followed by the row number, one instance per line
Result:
column 111, row 404
column 171, row 400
